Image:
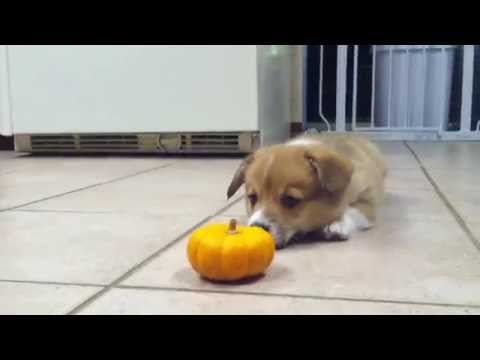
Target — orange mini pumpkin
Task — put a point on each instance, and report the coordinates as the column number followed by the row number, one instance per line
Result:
column 224, row 252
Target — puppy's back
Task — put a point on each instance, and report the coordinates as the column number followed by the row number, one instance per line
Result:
column 362, row 152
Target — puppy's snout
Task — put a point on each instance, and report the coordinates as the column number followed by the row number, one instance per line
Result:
column 259, row 219
column 261, row 225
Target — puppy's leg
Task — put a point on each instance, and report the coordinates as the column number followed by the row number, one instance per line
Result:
column 359, row 216
column 353, row 219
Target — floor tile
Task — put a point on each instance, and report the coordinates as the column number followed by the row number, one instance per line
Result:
column 454, row 154
column 462, row 180
column 81, row 248
column 186, row 188
column 407, row 179
column 417, row 253
column 44, row 177
column 400, row 260
column 397, row 155
column 460, row 189
column 145, row 302
column 41, row 299
column 10, row 162
column 474, row 227
column 467, row 204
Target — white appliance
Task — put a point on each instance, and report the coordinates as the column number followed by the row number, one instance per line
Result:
column 135, row 98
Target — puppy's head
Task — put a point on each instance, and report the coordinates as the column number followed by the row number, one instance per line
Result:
column 293, row 189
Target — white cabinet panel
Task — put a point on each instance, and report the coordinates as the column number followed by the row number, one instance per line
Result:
column 71, row 89
column 5, row 121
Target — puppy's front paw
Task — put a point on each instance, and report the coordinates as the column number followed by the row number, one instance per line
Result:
column 352, row 220
column 338, row 230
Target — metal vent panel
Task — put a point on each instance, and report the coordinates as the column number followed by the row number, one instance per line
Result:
column 108, row 142
column 52, row 142
column 213, row 142
column 210, row 142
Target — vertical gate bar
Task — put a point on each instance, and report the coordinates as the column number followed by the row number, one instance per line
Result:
column 442, row 125
column 320, row 92
column 304, row 56
column 355, row 81
column 390, row 85
column 374, row 63
column 407, row 117
column 467, row 88
column 342, row 52
column 423, row 92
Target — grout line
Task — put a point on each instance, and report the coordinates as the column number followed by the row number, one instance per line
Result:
column 280, row 295
column 93, row 212
column 101, row 212
column 445, row 200
column 87, row 187
column 148, row 259
column 293, row 296
column 39, row 282
column 66, row 211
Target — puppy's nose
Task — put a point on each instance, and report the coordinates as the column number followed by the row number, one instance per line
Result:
column 261, row 225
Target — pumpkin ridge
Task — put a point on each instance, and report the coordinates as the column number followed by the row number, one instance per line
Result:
column 245, row 245
column 222, row 263
column 192, row 251
column 233, row 242
column 195, row 254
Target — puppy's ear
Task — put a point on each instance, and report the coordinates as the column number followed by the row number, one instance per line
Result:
column 239, row 177
column 334, row 171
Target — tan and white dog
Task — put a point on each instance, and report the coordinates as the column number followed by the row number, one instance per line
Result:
column 331, row 183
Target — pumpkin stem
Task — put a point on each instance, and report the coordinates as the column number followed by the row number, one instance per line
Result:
column 232, row 227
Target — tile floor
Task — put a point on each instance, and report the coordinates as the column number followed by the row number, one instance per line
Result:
column 107, row 235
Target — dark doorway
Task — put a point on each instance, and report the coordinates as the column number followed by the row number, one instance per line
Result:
column 364, row 83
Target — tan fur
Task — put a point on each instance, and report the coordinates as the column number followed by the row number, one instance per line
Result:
column 366, row 189
column 328, row 174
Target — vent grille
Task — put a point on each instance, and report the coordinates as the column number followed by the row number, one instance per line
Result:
column 52, row 142
column 205, row 142
column 209, row 142
column 108, row 142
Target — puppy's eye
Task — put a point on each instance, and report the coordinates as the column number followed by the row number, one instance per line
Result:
column 253, row 199
column 290, row 202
